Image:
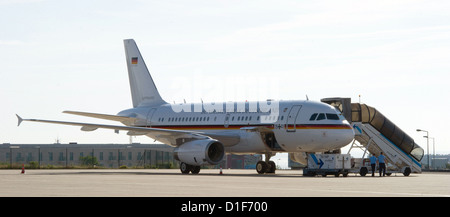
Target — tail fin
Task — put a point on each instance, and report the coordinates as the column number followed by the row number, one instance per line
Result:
column 143, row 89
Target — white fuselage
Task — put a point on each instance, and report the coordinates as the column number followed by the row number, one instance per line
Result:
column 203, row 132
column 284, row 126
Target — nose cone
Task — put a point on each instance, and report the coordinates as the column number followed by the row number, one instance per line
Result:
column 349, row 135
column 345, row 136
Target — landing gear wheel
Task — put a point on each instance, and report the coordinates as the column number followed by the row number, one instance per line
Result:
column 261, row 167
column 195, row 169
column 185, row 168
column 272, row 167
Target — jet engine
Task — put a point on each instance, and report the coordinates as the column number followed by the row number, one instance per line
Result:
column 200, row 152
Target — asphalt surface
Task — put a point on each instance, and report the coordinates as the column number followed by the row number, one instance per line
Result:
column 232, row 183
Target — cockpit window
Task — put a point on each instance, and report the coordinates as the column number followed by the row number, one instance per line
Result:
column 313, row 117
column 331, row 116
column 321, row 116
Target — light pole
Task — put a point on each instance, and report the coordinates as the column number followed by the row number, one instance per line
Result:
column 434, row 153
column 428, row 153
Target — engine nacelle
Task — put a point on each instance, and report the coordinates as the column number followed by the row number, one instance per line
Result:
column 200, row 152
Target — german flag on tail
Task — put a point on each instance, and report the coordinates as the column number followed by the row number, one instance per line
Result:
column 134, row 60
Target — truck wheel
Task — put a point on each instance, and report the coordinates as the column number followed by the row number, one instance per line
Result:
column 363, row 171
column 407, row 171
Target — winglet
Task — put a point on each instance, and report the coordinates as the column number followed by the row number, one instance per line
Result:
column 19, row 120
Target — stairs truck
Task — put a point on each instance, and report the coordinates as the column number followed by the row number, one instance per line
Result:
column 375, row 133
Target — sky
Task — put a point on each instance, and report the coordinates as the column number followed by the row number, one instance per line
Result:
column 69, row 55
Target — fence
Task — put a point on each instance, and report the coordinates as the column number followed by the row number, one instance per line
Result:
column 72, row 155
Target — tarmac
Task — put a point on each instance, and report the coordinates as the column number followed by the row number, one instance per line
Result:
column 209, row 183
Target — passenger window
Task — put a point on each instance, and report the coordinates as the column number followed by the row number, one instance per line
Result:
column 313, row 117
column 321, row 117
column 331, row 116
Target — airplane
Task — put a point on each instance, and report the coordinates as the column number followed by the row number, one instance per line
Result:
column 202, row 133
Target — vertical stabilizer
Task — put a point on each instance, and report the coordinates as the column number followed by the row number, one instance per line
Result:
column 143, row 89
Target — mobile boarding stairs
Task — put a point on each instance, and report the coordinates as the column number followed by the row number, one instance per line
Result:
column 374, row 133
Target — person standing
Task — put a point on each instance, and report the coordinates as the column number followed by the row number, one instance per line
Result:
column 373, row 163
column 382, row 164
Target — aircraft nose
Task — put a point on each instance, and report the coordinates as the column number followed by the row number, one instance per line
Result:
column 349, row 134
column 344, row 138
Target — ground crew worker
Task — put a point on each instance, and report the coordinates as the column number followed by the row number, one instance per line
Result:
column 382, row 164
column 373, row 164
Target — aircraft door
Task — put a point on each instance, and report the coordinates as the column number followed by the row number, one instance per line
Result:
column 227, row 121
column 292, row 117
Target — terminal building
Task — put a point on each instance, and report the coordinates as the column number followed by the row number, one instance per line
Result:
column 133, row 155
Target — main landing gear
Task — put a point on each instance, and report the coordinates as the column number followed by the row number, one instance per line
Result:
column 186, row 168
column 263, row 167
column 266, row 166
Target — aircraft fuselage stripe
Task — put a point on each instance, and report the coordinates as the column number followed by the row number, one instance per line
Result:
column 236, row 127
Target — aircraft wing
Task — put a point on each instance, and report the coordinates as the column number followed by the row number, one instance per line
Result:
column 104, row 116
column 170, row 137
